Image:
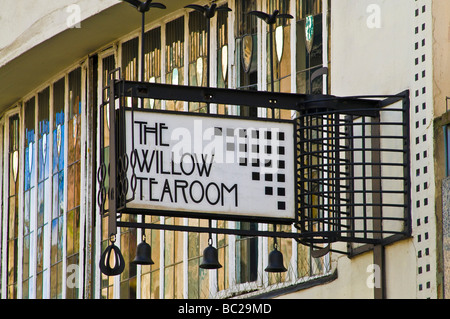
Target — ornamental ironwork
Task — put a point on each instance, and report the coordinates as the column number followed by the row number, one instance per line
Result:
column 337, row 170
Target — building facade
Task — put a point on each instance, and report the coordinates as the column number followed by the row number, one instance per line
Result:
column 55, row 60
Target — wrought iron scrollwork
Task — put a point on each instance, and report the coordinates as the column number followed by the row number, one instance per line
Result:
column 102, row 192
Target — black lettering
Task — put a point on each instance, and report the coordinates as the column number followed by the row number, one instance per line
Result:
column 141, row 130
column 208, row 193
column 229, row 190
column 145, row 164
column 203, row 168
column 162, row 126
column 173, row 167
column 161, row 154
column 157, row 161
column 151, row 130
column 166, row 189
column 152, row 181
column 182, row 162
column 191, row 194
column 183, row 185
column 140, row 179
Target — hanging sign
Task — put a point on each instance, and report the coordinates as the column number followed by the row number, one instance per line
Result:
column 213, row 165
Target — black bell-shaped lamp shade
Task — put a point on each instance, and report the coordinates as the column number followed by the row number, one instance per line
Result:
column 275, row 261
column 143, row 254
column 210, row 258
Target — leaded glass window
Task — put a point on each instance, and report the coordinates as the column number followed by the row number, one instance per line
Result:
column 29, row 196
column 222, row 55
column 173, row 261
column 309, row 52
column 128, row 240
column 73, row 177
column 198, row 59
column 198, row 277
column 130, row 65
column 309, row 45
column 56, row 253
column 128, row 244
column 152, row 62
column 150, row 274
column 44, row 203
column 175, row 58
column 13, row 207
column 246, row 50
column 247, row 79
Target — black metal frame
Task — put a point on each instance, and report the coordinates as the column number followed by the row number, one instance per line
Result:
column 321, row 120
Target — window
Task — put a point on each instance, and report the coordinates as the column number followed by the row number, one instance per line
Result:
column 56, row 254
column 29, row 196
column 198, row 59
column 247, row 79
column 44, row 203
column 150, row 282
column 175, row 58
column 309, row 45
column 198, row 278
column 152, row 63
column 173, row 261
column 246, row 50
column 73, row 176
column 13, row 207
column 281, row 52
column 446, row 129
column 130, row 65
column 222, row 55
column 246, row 255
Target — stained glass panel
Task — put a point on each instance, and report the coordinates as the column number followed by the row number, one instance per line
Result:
column 152, row 63
column 13, row 207
column 175, row 58
column 58, row 189
column 29, row 192
column 73, row 177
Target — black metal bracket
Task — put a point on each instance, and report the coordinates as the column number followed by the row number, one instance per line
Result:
column 347, row 149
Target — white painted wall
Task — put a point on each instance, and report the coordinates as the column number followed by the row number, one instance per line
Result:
column 24, row 23
column 372, row 53
column 371, row 46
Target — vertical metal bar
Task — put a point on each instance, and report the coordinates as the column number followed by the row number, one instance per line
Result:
column 272, row 78
column 301, row 176
column 101, row 169
column 112, row 225
column 309, row 174
column 363, row 173
column 406, row 160
column 378, row 251
column 208, row 55
column 336, row 178
column 351, row 157
column 142, row 51
column 142, row 54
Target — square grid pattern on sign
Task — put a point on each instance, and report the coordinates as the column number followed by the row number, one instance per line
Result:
column 264, row 151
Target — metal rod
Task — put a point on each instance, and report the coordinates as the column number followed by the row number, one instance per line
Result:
column 142, row 51
column 208, row 50
column 271, row 65
column 288, row 101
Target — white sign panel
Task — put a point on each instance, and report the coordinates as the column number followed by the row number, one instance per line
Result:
column 214, row 165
